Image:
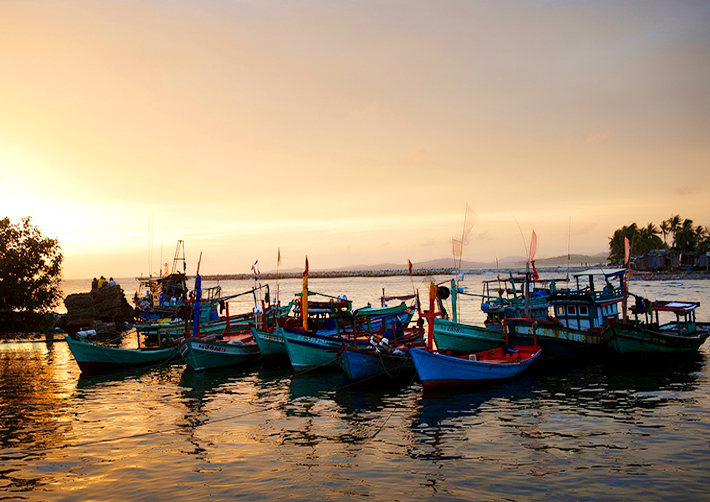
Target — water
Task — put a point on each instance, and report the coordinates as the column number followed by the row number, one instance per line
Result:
column 599, row 430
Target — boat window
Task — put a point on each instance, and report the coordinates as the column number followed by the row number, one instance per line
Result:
column 560, row 310
column 583, row 310
column 571, row 310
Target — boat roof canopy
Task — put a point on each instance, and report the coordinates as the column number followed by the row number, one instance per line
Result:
column 611, row 272
column 675, row 306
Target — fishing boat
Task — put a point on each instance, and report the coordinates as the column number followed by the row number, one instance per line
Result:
column 649, row 334
column 333, row 315
column 163, row 297
column 508, row 300
column 325, row 315
column 326, row 326
column 580, row 315
column 93, row 358
column 235, row 345
column 308, row 348
column 381, row 359
column 437, row 369
column 219, row 351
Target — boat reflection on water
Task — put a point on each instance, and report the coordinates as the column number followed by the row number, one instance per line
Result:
column 35, row 395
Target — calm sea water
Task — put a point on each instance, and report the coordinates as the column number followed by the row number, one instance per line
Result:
column 596, row 430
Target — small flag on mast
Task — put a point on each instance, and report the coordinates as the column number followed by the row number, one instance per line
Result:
column 410, row 267
column 627, row 251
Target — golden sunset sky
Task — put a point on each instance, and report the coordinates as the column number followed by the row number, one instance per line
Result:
column 351, row 132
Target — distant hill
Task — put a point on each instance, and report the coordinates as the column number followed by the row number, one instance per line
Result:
column 447, row 263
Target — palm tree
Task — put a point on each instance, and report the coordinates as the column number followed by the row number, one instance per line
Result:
column 665, row 229
column 675, row 225
column 685, row 238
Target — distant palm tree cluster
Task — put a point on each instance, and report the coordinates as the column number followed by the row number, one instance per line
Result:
column 684, row 236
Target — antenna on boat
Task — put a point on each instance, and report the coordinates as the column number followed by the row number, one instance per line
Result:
column 469, row 220
column 569, row 238
column 278, row 262
column 179, row 256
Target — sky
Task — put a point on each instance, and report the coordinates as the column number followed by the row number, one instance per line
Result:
column 351, row 132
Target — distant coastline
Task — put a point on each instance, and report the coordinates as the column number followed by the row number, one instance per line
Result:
column 425, row 272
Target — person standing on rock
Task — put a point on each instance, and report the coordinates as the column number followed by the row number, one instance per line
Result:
column 94, row 284
column 102, row 282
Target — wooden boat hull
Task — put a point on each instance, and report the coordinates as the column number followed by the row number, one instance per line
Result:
column 458, row 337
column 438, row 370
column 202, row 354
column 307, row 349
column 270, row 343
column 630, row 338
column 93, row 358
column 362, row 364
column 556, row 340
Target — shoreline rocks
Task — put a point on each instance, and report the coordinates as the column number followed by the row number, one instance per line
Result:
column 105, row 310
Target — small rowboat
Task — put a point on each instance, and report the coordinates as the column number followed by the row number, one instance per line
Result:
column 437, row 370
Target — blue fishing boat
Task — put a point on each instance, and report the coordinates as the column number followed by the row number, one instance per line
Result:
column 381, row 359
column 438, row 370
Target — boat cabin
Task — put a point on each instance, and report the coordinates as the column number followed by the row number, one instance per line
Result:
column 589, row 306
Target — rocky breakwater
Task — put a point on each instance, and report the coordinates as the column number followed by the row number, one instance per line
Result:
column 104, row 310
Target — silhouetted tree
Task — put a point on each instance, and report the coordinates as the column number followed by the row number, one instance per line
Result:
column 30, row 274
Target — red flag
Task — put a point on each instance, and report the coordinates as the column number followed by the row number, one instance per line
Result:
column 536, row 276
column 533, row 246
column 627, row 250
column 410, row 267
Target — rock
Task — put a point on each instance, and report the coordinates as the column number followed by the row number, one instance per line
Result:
column 105, row 305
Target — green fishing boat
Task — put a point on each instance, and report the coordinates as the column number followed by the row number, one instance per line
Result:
column 648, row 334
column 507, row 300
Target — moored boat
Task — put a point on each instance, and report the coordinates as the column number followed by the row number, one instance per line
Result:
column 219, row 352
column 93, row 358
column 579, row 317
column 380, row 359
column 650, row 335
column 235, row 345
column 508, row 300
column 438, row 370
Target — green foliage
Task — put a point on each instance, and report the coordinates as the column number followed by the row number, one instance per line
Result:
column 684, row 235
column 30, row 271
column 642, row 240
